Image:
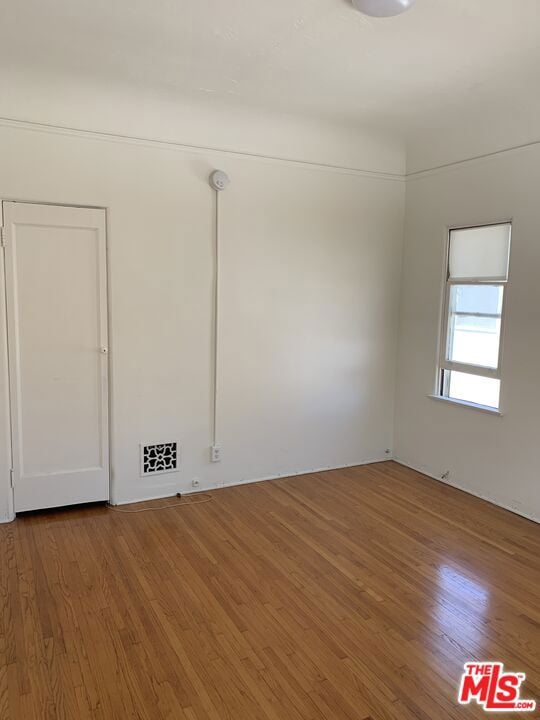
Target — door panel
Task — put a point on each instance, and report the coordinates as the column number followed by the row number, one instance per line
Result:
column 57, row 332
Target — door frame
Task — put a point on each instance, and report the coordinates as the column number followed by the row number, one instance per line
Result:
column 4, row 311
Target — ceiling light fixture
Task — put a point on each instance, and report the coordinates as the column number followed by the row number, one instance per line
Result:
column 382, row 8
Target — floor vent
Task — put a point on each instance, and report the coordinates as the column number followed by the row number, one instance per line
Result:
column 159, row 458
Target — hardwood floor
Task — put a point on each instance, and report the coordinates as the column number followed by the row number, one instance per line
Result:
column 349, row 594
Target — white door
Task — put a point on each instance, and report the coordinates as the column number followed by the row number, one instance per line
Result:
column 58, row 365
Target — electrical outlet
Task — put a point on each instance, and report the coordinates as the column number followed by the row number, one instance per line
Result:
column 215, row 453
column 195, row 483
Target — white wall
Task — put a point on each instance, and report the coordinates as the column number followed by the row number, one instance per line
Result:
column 76, row 102
column 494, row 457
column 311, row 266
column 309, row 301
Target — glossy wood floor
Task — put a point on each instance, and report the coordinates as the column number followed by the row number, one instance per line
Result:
column 349, row 594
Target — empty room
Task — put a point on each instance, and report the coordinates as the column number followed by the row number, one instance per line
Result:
column 269, row 359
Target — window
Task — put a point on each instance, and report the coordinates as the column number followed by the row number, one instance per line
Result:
column 477, row 273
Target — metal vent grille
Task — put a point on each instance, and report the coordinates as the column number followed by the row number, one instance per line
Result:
column 159, row 458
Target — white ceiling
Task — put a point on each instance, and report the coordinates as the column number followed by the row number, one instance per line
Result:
column 445, row 64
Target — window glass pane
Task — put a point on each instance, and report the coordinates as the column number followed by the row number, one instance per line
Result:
column 480, row 252
column 474, row 339
column 477, row 299
column 472, row 388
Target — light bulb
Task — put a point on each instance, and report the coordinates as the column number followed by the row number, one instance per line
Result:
column 382, row 8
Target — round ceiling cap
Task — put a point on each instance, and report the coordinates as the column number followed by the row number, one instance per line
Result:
column 382, row 8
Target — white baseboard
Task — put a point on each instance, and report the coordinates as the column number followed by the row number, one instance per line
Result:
column 217, row 486
column 488, row 498
column 160, row 496
column 170, row 490
column 296, row 473
column 491, row 499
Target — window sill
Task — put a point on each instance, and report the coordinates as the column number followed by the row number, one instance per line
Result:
column 464, row 403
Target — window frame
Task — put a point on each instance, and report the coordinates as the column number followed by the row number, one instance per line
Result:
column 445, row 367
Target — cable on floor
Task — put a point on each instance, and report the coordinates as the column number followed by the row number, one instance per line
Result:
column 204, row 498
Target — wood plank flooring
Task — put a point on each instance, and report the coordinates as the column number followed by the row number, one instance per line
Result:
column 350, row 594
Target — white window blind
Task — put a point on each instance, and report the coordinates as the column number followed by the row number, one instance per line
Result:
column 480, row 253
